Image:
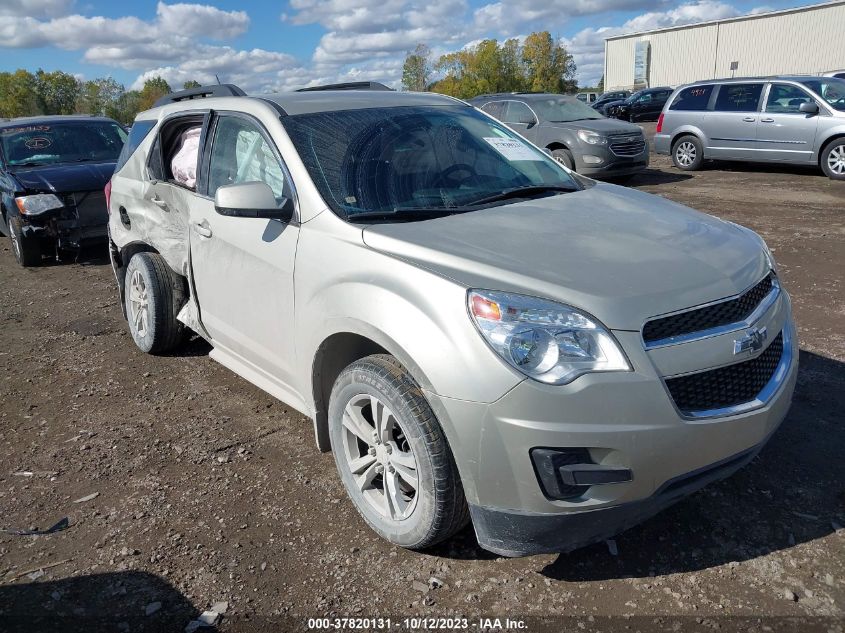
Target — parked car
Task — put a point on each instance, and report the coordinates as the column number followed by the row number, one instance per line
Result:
column 609, row 97
column 477, row 333
column 587, row 97
column 644, row 105
column 839, row 74
column 52, row 173
column 798, row 120
column 575, row 134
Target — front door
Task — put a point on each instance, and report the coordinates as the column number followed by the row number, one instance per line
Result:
column 786, row 134
column 731, row 127
column 243, row 267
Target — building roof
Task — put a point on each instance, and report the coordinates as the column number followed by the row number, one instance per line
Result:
column 739, row 18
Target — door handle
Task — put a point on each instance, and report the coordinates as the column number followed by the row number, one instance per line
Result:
column 203, row 229
column 158, row 202
column 767, row 120
column 749, row 119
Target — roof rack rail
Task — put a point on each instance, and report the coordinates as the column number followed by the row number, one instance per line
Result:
column 350, row 85
column 219, row 90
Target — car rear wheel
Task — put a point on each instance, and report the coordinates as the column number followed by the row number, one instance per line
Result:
column 27, row 249
column 833, row 159
column 153, row 295
column 392, row 455
column 687, row 153
column 564, row 157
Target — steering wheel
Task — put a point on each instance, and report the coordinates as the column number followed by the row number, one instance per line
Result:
column 448, row 175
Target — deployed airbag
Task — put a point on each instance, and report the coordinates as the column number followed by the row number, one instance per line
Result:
column 184, row 163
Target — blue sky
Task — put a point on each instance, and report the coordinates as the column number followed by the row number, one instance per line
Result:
column 270, row 46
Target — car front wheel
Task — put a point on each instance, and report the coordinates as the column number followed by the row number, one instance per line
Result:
column 154, row 295
column 564, row 157
column 392, row 455
column 687, row 153
column 833, row 159
column 27, row 249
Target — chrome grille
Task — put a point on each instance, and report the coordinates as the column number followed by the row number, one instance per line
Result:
column 628, row 145
column 726, row 386
column 711, row 316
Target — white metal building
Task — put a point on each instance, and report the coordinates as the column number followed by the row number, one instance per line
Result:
column 804, row 40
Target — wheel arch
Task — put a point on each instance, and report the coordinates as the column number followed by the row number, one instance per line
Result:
column 122, row 256
column 836, row 136
column 339, row 350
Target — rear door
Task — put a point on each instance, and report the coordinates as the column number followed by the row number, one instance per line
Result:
column 785, row 134
column 731, row 127
column 243, row 267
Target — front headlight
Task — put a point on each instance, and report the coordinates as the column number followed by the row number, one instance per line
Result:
column 544, row 340
column 38, row 203
column 592, row 138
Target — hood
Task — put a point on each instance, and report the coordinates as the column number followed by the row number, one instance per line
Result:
column 619, row 254
column 64, row 178
column 602, row 126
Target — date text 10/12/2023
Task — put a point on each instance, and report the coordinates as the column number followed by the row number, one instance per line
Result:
column 417, row 624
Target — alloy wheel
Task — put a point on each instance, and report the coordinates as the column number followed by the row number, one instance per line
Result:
column 139, row 304
column 685, row 153
column 836, row 160
column 380, row 458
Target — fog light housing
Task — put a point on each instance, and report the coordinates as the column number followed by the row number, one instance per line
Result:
column 592, row 160
column 567, row 473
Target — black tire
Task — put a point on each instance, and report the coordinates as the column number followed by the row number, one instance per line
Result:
column 832, row 159
column 27, row 249
column 4, row 223
column 157, row 331
column 439, row 507
column 688, row 153
column 564, row 156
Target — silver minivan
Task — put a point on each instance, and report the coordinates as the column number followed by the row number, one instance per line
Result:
column 797, row 120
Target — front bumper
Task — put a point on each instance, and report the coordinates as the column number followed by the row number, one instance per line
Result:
column 612, row 165
column 625, row 420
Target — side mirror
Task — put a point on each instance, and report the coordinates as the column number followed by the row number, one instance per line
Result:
column 528, row 120
column 809, row 107
column 252, row 200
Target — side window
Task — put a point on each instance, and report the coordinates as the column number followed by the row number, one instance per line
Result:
column 240, row 153
column 518, row 112
column 693, row 98
column 495, row 109
column 738, row 97
column 155, row 165
column 646, row 98
column 786, row 99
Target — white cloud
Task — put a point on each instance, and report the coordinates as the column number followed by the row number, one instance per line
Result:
column 34, row 8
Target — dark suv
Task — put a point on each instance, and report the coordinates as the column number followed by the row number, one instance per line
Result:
column 644, row 105
column 52, row 173
column 609, row 97
column 576, row 135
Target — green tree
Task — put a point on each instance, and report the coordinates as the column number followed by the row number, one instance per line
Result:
column 549, row 67
column 17, row 94
column 154, row 88
column 191, row 84
column 100, row 97
column 512, row 76
column 128, row 106
column 601, row 84
column 416, row 71
column 56, row 92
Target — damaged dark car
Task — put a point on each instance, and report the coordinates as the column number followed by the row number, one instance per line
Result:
column 53, row 170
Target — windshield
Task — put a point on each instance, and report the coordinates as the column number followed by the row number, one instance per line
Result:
column 633, row 97
column 402, row 159
column 563, row 110
column 51, row 143
column 830, row 89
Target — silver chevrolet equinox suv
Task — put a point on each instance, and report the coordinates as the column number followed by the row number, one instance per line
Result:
column 477, row 333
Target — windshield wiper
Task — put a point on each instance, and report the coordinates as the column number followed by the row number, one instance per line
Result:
column 29, row 164
column 404, row 213
column 521, row 192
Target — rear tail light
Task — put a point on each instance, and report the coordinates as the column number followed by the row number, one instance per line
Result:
column 659, row 127
column 107, row 191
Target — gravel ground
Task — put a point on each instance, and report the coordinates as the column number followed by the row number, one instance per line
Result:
column 185, row 486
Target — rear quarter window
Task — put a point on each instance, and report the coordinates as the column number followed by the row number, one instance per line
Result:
column 693, row 98
column 137, row 134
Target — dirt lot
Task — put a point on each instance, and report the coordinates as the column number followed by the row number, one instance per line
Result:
column 210, row 490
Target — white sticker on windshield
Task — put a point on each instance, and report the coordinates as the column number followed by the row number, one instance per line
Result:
column 513, row 149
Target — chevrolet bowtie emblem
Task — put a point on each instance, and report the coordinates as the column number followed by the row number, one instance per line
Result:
column 751, row 342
